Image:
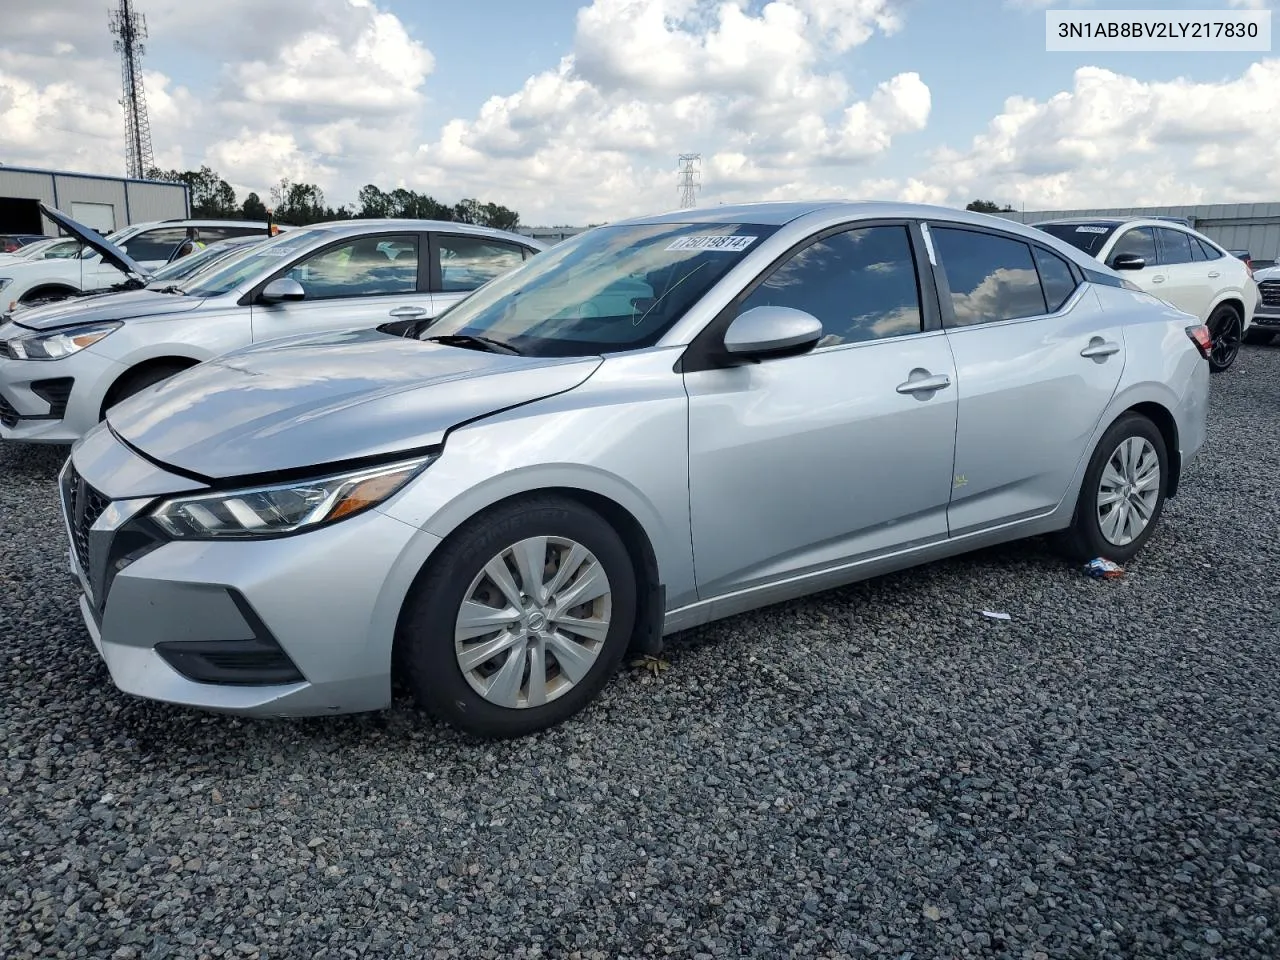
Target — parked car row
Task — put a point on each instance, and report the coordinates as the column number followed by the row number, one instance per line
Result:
column 436, row 453
column 1165, row 257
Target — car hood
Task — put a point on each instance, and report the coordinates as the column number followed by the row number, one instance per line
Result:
column 313, row 400
column 91, row 238
column 1267, row 273
column 98, row 308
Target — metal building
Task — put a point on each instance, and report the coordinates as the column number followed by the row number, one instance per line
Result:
column 104, row 203
column 1237, row 226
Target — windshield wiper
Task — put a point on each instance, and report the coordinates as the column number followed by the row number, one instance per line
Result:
column 171, row 288
column 470, row 342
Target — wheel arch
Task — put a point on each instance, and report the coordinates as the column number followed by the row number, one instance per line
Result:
column 1164, row 421
column 60, row 288
column 175, row 362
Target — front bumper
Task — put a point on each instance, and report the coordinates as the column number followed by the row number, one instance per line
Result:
column 53, row 401
column 294, row 626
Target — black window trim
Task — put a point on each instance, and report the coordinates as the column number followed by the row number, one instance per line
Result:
column 251, row 296
column 1159, row 232
column 435, row 279
column 706, row 350
column 1079, row 275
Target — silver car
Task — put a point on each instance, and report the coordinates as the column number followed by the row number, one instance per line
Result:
column 652, row 425
column 64, row 365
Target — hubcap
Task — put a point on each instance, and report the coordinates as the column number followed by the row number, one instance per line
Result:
column 533, row 622
column 1225, row 331
column 1128, row 491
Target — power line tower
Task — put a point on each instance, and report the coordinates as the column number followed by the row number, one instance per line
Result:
column 690, row 179
column 130, row 28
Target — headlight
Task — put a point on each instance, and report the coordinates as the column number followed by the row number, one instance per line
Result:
column 60, row 343
column 282, row 508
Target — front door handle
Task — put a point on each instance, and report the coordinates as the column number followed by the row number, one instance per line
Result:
column 921, row 381
column 1157, row 279
column 409, row 313
column 1098, row 348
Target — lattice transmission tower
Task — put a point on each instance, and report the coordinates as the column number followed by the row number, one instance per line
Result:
column 130, row 28
column 690, row 179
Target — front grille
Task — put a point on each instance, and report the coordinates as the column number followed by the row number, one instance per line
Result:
column 84, row 506
column 8, row 415
column 56, row 393
column 1270, row 290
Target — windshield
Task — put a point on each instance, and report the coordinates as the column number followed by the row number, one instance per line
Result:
column 88, row 253
column 1089, row 237
column 610, row 289
column 195, row 263
column 261, row 258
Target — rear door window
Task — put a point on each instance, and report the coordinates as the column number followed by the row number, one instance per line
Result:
column 1175, row 246
column 991, row 277
column 467, row 263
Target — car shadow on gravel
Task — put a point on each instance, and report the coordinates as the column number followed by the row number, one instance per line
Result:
column 31, row 461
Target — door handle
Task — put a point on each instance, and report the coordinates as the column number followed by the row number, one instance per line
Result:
column 921, row 381
column 409, row 313
column 1214, row 274
column 1098, row 348
column 1157, row 279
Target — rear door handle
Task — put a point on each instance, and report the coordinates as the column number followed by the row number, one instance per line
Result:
column 921, row 381
column 1214, row 274
column 1157, row 279
column 1100, row 348
column 409, row 313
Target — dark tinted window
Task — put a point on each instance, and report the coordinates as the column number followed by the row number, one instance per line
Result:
column 1055, row 278
column 366, row 267
column 159, row 244
column 1210, row 252
column 1175, row 246
column 861, row 284
column 470, row 262
column 1088, row 237
column 991, row 278
column 1140, row 241
column 214, row 234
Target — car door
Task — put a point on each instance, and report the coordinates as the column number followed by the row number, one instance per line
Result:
column 1187, row 283
column 1037, row 362
column 364, row 281
column 1141, row 242
column 461, row 263
column 804, row 462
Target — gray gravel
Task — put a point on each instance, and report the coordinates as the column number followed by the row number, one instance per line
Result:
column 877, row 771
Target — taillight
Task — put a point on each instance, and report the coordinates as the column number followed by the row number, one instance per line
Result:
column 1201, row 337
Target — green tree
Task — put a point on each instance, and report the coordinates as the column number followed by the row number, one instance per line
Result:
column 499, row 217
column 253, row 208
column 468, row 211
column 211, row 196
column 987, row 206
column 298, row 203
column 374, row 204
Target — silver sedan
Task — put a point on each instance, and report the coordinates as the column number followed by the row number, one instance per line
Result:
column 652, row 425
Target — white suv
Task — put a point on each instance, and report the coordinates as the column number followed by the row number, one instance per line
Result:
column 152, row 245
column 1173, row 262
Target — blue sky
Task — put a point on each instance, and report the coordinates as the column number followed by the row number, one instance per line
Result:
column 343, row 92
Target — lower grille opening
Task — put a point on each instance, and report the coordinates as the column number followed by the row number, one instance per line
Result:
column 8, row 415
column 56, row 393
column 231, row 662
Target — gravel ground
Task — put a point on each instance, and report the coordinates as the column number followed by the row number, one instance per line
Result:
column 876, row 771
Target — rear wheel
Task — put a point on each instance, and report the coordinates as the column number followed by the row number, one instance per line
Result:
column 522, row 617
column 1225, row 327
column 1123, row 493
column 135, row 381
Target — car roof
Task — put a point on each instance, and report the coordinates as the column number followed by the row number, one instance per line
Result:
column 346, row 227
column 179, row 222
column 1175, row 223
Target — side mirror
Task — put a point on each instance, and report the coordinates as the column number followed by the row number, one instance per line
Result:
column 282, row 289
column 771, row 332
column 1127, row 261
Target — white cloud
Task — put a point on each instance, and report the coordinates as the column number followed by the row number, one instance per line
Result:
column 753, row 88
column 1113, row 140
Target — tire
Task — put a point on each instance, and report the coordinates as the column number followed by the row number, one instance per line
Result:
column 1225, row 327
column 432, row 641
column 1258, row 337
column 1086, row 538
column 135, row 381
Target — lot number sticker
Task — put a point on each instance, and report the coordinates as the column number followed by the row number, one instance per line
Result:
column 725, row 244
column 1091, row 229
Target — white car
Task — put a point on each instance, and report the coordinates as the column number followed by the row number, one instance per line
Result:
column 152, row 245
column 1173, row 262
column 50, row 248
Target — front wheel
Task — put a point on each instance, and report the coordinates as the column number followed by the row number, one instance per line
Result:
column 522, row 617
column 1225, row 327
column 1123, row 493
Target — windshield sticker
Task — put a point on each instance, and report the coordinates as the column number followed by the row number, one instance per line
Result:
column 279, row 251
column 725, row 244
column 1091, row 229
